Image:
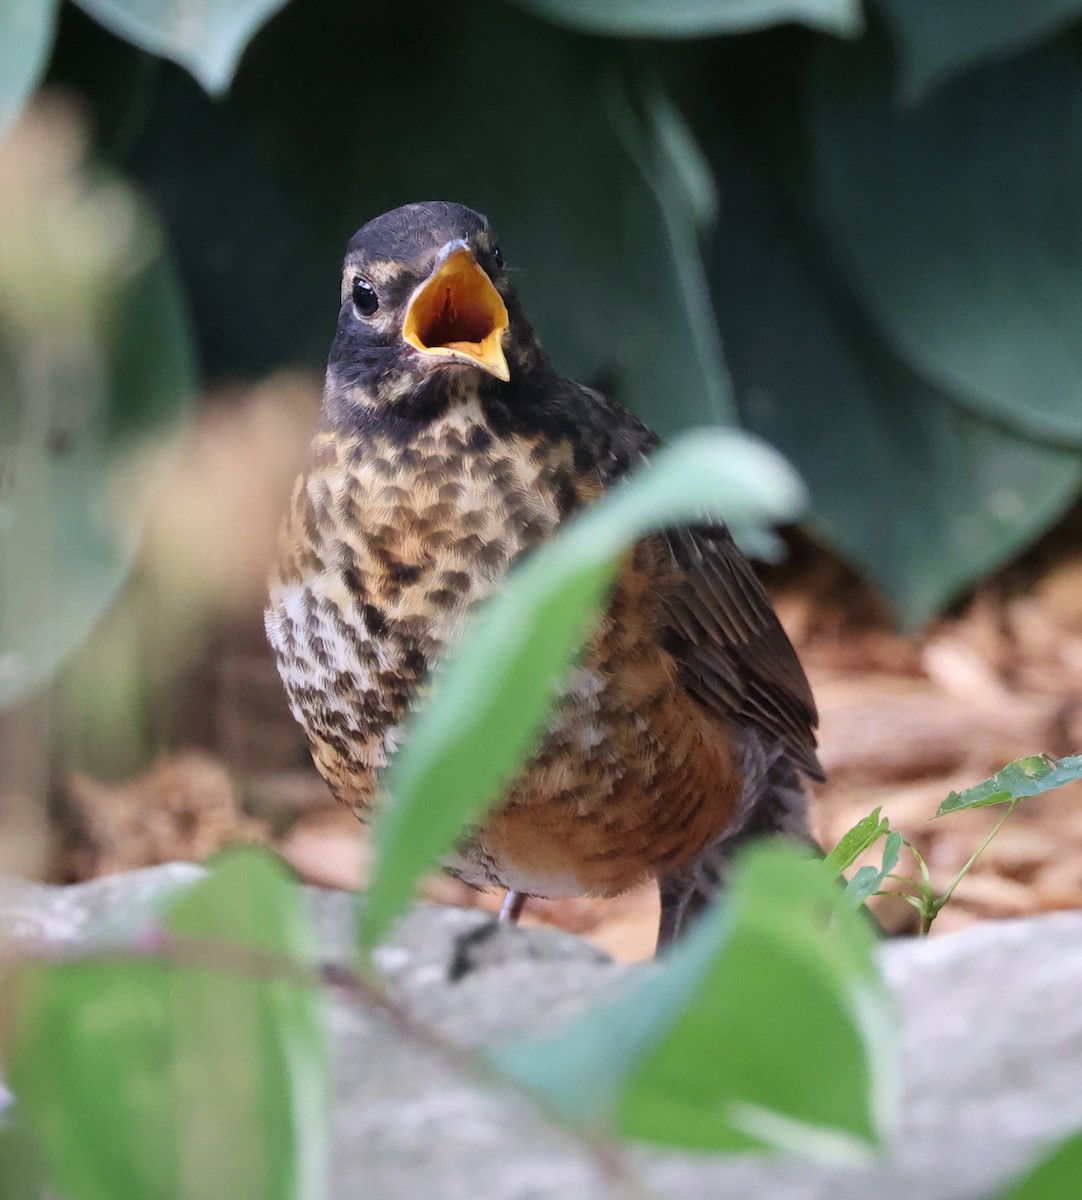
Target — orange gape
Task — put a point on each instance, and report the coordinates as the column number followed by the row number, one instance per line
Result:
column 445, row 453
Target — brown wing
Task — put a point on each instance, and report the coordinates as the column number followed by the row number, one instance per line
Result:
column 734, row 656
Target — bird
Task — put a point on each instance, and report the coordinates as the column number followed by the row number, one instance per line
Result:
column 448, row 447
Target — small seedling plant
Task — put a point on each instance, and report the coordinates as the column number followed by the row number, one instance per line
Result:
column 1025, row 777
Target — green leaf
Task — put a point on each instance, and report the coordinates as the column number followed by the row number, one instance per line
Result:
column 940, row 38
column 149, row 1079
column 852, row 844
column 1018, row 780
column 85, row 370
column 696, row 18
column 21, row 1169
column 585, row 216
column 680, row 1057
column 26, row 38
column 1053, row 1178
column 493, row 691
column 206, row 37
column 869, row 880
column 945, row 495
column 960, row 226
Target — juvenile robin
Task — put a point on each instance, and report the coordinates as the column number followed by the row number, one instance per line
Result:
column 448, row 446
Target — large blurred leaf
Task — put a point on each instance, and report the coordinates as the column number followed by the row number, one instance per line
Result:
column 149, row 1080
column 920, row 494
column 767, row 1028
column 261, row 191
column 960, row 224
column 26, row 37
column 694, row 18
column 491, row 695
column 940, row 38
column 94, row 349
column 1056, row 1177
column 205, row 36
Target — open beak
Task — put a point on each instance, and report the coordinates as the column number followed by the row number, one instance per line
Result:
column 457, row 313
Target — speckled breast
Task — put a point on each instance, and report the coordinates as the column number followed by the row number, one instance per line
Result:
column 385, row 547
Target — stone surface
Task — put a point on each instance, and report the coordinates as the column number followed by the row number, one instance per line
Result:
column 992, row 1029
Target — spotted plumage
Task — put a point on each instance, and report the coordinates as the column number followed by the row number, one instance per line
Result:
column 448, row 447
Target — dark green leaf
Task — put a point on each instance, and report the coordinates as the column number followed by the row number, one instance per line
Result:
column 149, row 1079
column 602, row 254
column 492, row 693
column 869, row 880
column 960, row 225
column 694, row 18
column 1017, row 781
column 940, row 38
column 944, row 495
column 864, row 834
column 680, row 1057
column 1056, row 1177
column 206, row 37
column 26, row 37
column 84, row 369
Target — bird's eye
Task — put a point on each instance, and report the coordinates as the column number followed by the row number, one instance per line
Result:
column 365, row 299
column 497, row 256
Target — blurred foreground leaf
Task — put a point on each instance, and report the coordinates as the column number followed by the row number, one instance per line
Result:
column 22, row 1176
column 692, row 18
column 207, row 37
column 26, row 38
column 493, row 691
column 94, row 351
column 156, row 1079
column 767, row 1028
column 1018, row 780
column 940, row 38
column 1057, row 1177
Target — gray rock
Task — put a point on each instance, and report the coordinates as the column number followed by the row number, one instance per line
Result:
column 992, row 1056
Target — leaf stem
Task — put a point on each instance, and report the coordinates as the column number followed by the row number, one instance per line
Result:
column 942, row 900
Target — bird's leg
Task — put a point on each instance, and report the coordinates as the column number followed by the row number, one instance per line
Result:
column 512, row 906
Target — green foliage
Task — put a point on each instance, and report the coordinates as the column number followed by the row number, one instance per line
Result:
column 199, row 1072
column 766, row 1029
column 855, row 298
column 981, row 184
column 86, row 365
column 937, row 40
column 1056, row 1177
column 26, row 39
column 690, row 18
column 1018, row 780
column 864, row 834
column 208, row 39
column 493, row 691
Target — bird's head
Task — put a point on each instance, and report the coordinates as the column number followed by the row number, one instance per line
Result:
column 425, row 299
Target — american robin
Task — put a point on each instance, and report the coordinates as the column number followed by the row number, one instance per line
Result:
column 448, row 446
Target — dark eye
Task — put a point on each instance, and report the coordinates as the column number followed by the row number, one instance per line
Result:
column 497, row 256
column 365, row 299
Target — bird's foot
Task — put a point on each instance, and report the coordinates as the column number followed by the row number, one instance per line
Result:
column 512, row 906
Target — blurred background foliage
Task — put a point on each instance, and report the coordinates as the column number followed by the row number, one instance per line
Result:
column 855, row 229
